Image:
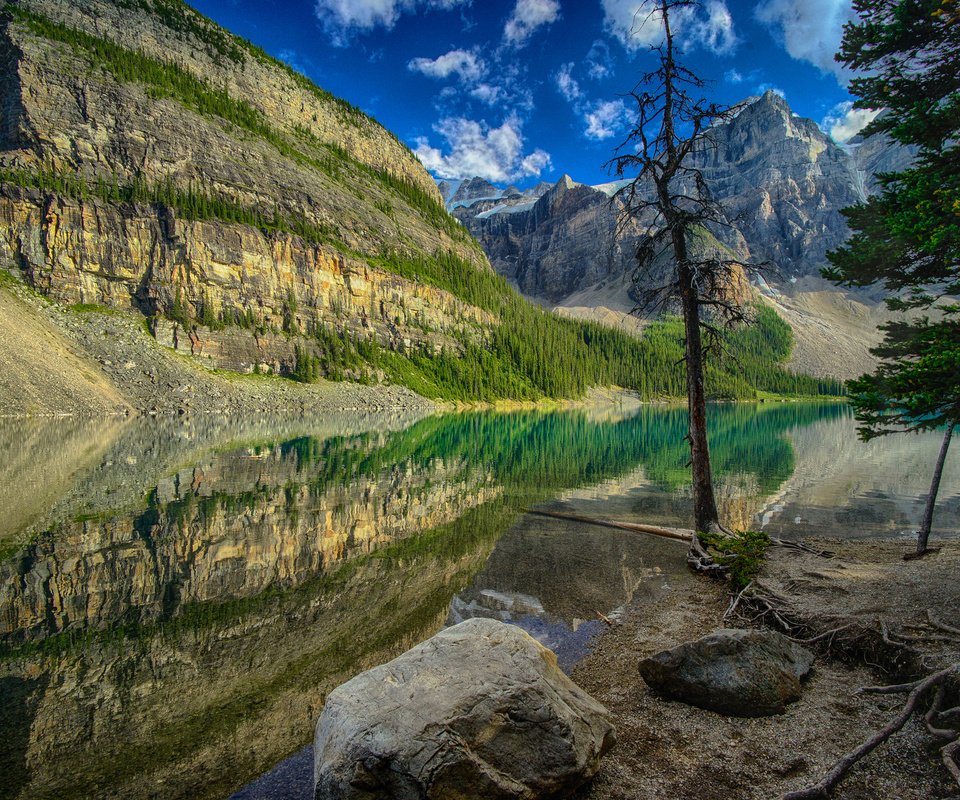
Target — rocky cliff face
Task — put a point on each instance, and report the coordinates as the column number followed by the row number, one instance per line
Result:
column 154, row 162
column 780, row 180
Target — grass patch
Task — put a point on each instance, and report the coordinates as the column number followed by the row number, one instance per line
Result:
column 743, row 554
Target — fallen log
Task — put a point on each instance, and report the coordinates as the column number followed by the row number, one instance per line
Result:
column 678, row 534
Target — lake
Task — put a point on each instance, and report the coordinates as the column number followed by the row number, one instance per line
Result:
column 178, row 596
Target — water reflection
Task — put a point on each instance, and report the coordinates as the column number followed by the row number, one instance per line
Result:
column 177, row 598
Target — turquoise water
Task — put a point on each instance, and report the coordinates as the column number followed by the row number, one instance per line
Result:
column 177, row 597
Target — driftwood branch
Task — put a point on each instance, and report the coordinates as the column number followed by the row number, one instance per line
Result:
column 604, row 618
column 840, row 769
column 678, row 534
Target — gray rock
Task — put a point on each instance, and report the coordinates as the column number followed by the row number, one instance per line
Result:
column 742, row 673
column 480, row 710
column 780, row 181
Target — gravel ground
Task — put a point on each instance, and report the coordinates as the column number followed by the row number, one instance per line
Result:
column 58, row 361
column 670, row 750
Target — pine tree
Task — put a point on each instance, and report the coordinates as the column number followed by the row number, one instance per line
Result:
column 907, row 238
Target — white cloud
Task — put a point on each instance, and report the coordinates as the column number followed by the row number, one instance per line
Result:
column 810, row 30
column 843, row 121
column 474, row 148
column 292, row 59
column 605, row 120
column 342, row 18
column 567, row 84
column 637, row 25
column 732, row 76
column 713, row 32
column 488, row 93
column 599, row 60
column 461, row 62
column 527, row 16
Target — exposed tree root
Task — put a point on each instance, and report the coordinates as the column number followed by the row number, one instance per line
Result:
column 915, row 554
column 949, row 754
column 790, row 545
column 848, row 640
column 917, row 690
column 941, row 626
column 700, row 560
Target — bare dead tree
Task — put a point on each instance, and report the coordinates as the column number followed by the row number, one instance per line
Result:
column 673, row 126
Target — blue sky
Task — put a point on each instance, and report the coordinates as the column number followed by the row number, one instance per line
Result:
column 519, row 91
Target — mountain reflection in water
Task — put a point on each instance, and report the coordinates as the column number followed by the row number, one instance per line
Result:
column 177, row 597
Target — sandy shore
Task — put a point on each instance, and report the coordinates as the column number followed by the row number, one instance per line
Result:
column 669, row 750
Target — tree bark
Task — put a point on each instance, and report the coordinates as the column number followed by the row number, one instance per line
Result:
column 923, row 534
column 705, row 513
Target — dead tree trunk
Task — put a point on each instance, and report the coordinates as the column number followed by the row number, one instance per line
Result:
column 705, row 513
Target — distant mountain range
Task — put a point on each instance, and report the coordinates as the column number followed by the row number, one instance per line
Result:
column 779, row 179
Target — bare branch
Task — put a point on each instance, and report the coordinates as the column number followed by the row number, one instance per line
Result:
column 840, row 769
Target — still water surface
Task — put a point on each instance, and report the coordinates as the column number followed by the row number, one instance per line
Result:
column 177, row 597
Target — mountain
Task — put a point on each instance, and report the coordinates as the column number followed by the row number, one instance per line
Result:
column 779, row 179
column 154, row 164
column 474, row 189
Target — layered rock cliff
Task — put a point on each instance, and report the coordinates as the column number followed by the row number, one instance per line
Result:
column 156, row 163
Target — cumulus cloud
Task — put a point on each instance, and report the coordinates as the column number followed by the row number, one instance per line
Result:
column 343, row 18
column 637, row 26
column 527, row 16
column 474, row 148
column 605, row 120
column 467, row 65
column 488, row 93
column 733, row 76
column 810, row 30
column 714, row 31
column 843, row 121
column 567, row 84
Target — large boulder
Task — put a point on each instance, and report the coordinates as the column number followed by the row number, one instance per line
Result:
column 481, row 710
column 743, row 673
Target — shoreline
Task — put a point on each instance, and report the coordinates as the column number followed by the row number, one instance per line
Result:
column 670, row 750
column 58, row 362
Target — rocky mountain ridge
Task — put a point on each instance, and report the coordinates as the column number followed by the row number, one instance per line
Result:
column 155, row 164
column 779, row 179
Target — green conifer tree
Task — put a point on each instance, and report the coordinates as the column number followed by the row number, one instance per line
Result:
column 907, row 238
